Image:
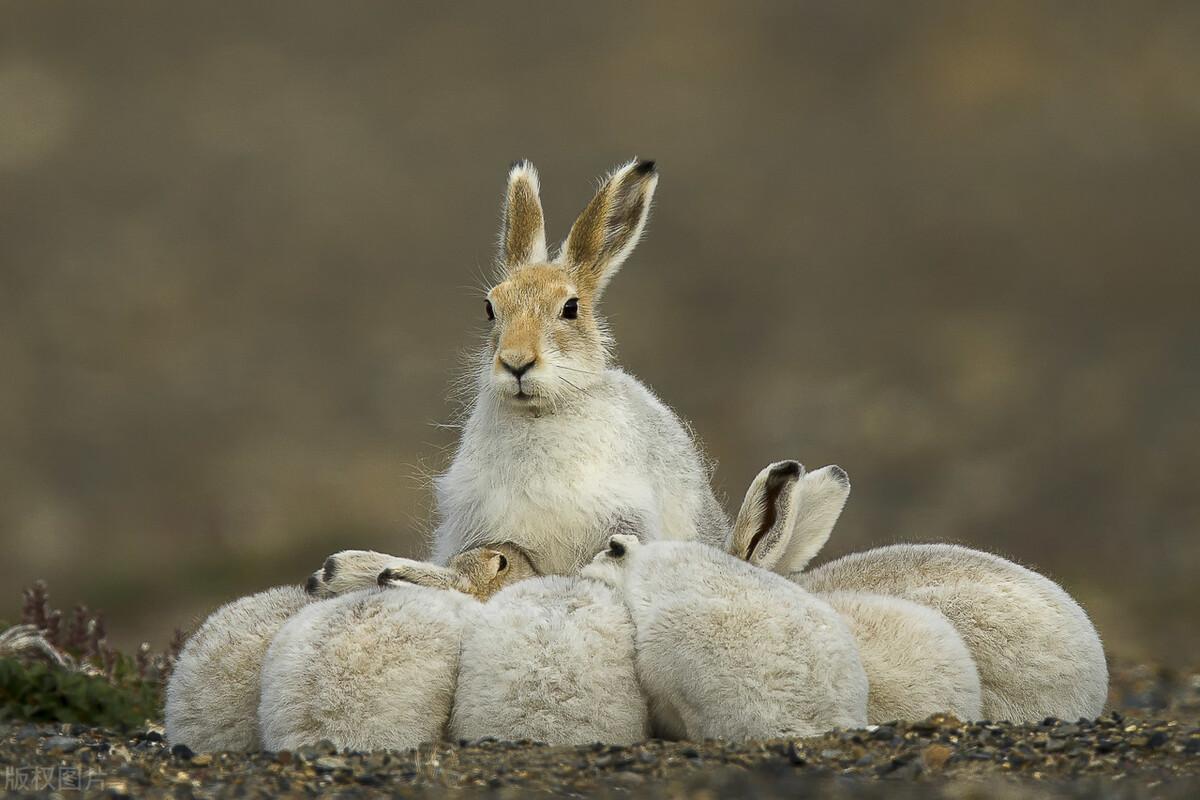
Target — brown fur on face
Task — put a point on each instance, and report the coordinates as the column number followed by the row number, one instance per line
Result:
column 487, row 570
column 528, row 306
column 538, row 353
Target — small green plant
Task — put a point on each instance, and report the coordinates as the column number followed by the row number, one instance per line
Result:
column 39, row 691
column 60, row 668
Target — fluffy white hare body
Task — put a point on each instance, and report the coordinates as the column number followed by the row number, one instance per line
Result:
column 915, row 661
column 369, row 670
column 726, row 650
column 213, row 693
column 1037, row 653
column 550, row 659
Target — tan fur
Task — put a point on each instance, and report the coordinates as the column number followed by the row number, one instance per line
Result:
column 609, row 227
column 487, row 570
column 528, row 305
column 480, row 572
column 530, row 329
column 523, row 235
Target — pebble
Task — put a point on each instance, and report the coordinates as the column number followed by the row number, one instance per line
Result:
column 1126, row 756
column 62, row 744
column 329, row 764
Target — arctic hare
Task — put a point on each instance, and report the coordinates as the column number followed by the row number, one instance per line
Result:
column 916, row 662
column 726, row 649
column 480, row 572
column 561, row 447
column 549, row 659
column 552, row 660
column 370, row 670
column 213, row 693
column 1036, row 652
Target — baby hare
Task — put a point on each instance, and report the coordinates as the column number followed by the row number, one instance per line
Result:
column 370, row 670
column 916, row 662
column 726, row 649
column 480, row 572
column 1036, row 652
column 724, row 652
column 551, row 659
column 213, row 692
column 562, row 448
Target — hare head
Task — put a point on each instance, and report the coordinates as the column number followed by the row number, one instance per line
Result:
column 487, row 570
column 788, row 515
column 609, row 564
column 547, row 342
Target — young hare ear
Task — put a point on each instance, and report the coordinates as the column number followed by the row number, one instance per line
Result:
column 495, row 562
column 523, row 231
column 765, row 523
column 822, row 495
column 608, row 229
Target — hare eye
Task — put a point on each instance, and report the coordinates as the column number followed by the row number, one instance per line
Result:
column 503, row 563
column 571, row 308
column 487, row 304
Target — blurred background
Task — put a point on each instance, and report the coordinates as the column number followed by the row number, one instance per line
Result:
column 949, row 246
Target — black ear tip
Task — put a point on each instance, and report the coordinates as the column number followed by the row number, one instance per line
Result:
column 787, row 469
column 644, row 167
column 615, row 548
column 520, row 163
column 840, row 475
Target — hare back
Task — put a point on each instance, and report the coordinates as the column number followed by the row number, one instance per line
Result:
column 1037, row 652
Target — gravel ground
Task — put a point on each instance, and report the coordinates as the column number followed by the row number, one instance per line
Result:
column 1150, row 748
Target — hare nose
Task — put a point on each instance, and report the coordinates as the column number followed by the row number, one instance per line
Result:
column 514, row 364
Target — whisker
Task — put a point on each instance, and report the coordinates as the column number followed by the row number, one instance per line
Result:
column 576, row 369
column 568, row 383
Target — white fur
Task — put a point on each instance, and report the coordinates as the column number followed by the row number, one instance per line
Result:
column 212, row 696
column 550, row 660
column 916, row 663
column 1037, row 653
column 824, row 493
column 616, row 460
column 598, row 453
column 370, row 670
column 728, row 650
column 591, row 451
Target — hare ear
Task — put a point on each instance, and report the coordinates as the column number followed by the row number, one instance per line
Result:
column 608, row 229
column 496, row 562
column 523, row 231
column 765, row 522
column 822, row 495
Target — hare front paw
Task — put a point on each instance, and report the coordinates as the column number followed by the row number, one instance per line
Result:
column 400, row 571
column 347, row 571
